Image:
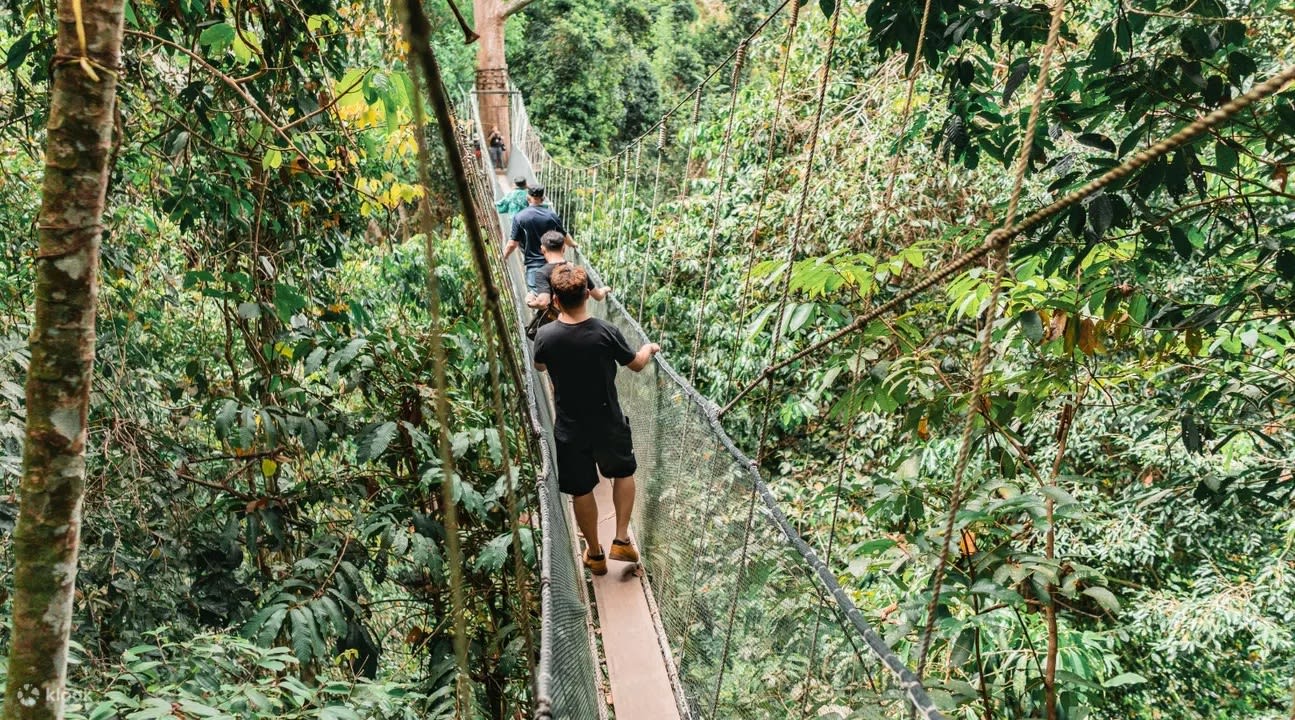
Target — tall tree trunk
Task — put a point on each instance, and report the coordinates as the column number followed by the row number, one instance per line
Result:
column 62, row 353
column 488, row 18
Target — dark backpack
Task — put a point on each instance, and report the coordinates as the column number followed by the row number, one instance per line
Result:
column 543, row 316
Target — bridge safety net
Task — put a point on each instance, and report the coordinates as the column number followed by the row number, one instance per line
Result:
column 752, row 623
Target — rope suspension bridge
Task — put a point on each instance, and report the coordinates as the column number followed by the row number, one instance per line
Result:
column 745, row 618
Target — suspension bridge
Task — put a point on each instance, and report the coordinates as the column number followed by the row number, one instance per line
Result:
column 733, row 614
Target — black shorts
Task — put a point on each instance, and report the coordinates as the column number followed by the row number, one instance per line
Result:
column 582, row 459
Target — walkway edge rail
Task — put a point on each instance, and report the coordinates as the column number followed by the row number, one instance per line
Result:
column 544, row 687
column 908, row 681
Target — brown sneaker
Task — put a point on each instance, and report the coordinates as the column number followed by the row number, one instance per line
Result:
column 623, row 550
column 597, row 565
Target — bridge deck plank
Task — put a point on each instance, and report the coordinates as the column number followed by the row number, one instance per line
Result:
column 636, row 669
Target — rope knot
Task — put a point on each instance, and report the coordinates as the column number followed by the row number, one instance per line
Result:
column 738, row 62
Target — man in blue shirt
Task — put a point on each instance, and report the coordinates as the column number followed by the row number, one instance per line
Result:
column 529, row 226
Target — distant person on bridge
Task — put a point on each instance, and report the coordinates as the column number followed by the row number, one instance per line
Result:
column 497, row 148
column 529, row 226
column 592, row 433
column 514, row 201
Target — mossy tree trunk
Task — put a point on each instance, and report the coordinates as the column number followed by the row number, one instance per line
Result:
column 62, row 354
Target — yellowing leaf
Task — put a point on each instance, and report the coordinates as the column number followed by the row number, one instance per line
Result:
column 268, row 467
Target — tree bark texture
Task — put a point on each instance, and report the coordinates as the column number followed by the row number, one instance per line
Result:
column 47, row 536
column 488, row 18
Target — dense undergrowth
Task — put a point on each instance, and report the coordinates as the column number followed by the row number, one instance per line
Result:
column 263, row 531
column 1140, row 391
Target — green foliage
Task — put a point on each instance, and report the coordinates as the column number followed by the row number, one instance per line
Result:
column 225, row 677
column 263, row 460
column 599, row 74
column 1151, row 321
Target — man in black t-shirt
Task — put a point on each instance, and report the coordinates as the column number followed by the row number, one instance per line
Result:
column 529, row 226
column 554, row 246
column 592, row 433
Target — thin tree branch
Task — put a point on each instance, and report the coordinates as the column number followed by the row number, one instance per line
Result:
column 516, row 7
column 237, row 88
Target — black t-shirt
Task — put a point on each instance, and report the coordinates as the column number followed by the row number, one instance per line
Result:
column 529, row 226
column 581, row 361
column 544, row 278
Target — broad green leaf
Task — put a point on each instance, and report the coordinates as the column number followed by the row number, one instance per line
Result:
column 1128, row 678
column 373, row 441
column 218, row 37
column 272, row 160
column 18, row 51
column 1104, row 597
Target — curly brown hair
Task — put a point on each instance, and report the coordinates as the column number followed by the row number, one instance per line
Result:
column 570, row 286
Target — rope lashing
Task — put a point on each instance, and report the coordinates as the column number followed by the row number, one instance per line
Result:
column 662, row 138
column 999, row 236
column 738, row 62
column 777, row 338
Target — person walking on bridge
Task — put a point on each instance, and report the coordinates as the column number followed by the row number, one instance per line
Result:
column 529, row 226
column 553, row 244
column 497, row 149
column 581, row 354
column 515, row 201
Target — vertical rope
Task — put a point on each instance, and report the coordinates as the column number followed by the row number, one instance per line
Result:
column 631, row 221
column 657, row 319
column 622, row 223
column 983, row 356
column 595, row 219
column 908, row 102
column 720, row 179
column 649, row 241
column 495, row 350
column 846, row 434
column 685, row 185
column 773, row 350
column 454, row 553
column 768, row 162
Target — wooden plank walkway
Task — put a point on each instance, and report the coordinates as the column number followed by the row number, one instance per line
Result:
column 636, row 669
column 638, row 678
